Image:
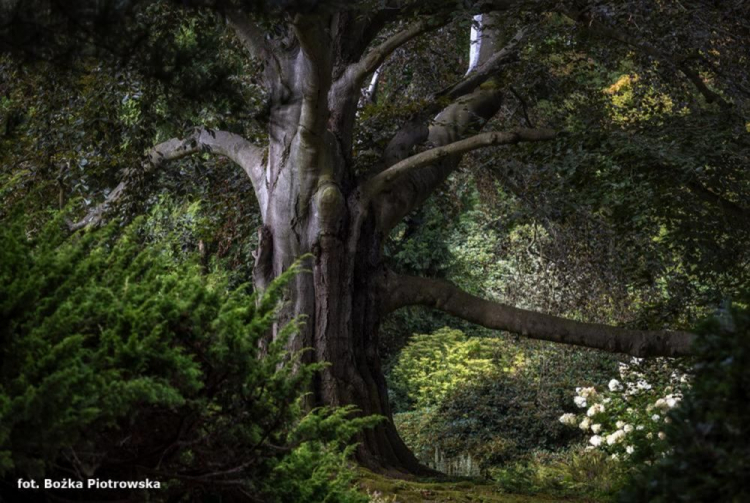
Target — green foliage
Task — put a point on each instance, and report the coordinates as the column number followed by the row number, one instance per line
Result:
column 498, row 418
column 568, row 474
column 491, row 399
column 433, row 365
column 708, row 440
column 115, row 346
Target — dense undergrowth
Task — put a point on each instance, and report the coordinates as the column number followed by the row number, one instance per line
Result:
column 659, row 431
column 123, row 357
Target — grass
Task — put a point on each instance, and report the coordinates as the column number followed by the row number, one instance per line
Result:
column 450, row 490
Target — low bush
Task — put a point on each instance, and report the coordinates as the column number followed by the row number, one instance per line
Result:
column 494, row 399
column 707, row 451
column 122, row 358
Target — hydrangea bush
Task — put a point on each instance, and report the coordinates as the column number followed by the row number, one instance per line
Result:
column 709, row 437
column 626, row 419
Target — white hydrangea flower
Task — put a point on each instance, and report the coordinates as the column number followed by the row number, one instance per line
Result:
column 629, row 410
column 639, row 427
column 595, row 409
column 585, row 424
column 580, row 402
column 642, row 384
column 672, row 401
column 662, row 435
column 667, row 420
column 614, row 456
column 655, row 417
column 596, row 440
column 616, row 437
column 589, row 392
column 630, row 449
column 661, row 404
column 623, row 369
column 614, row 385
column 596, row 428
column 619, row 424
column 607, row 400
column 568, row 419
column 649, row 435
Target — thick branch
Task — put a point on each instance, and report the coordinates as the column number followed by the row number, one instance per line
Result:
column 415, row 131
column 371, row 61
column 486, row 70
column 386, row 179
column 254, row 41
column 400, row 291
column 249, row 34
column 345, row 93
column 313, row 80
column 469, row 113
column 230, row 145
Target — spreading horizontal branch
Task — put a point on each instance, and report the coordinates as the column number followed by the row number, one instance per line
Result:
column 400, row 291
column 382, row 181
column 230, row 145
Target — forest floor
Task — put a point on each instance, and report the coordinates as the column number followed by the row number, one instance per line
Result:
column 451, row 490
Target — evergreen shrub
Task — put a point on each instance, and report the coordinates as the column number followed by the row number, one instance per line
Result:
column 123, row 358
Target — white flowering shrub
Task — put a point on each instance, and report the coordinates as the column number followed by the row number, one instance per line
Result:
column 709, row 438
column 626, row 419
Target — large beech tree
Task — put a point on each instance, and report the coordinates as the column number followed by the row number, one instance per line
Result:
column 321, row 62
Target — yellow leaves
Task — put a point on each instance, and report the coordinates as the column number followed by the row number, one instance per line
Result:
column 434, row 365
column 629, row 104
column 623, row 83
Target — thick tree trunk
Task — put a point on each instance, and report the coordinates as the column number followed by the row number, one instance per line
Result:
column 346, row 335
column 337, row 297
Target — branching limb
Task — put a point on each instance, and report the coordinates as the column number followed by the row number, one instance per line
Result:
column 415, row 131
column 345, row 92
column 230, row 145
column 358, row 72
column 400, row 291
column 386, row 179
column 468, row 114
column 253, row 39
column 249, row 34
column 486, row 70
